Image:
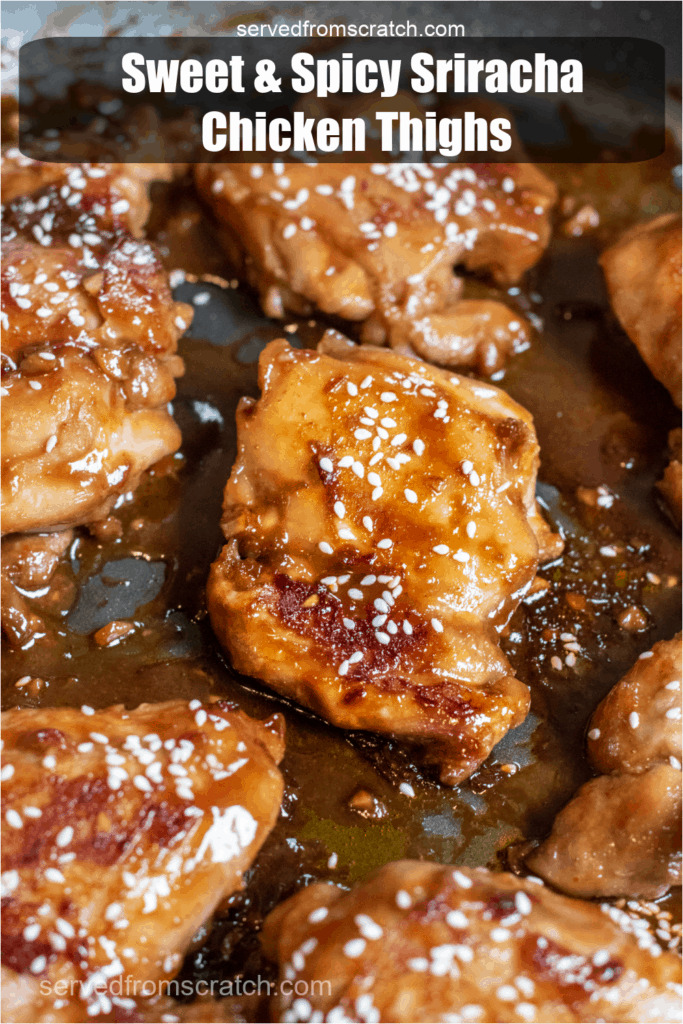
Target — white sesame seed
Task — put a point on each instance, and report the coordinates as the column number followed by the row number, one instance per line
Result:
column 456, row 919
column 441, row 549
column 64, row 837
column 339, row 509
column 437, row 625
column 367, row 523
column 326, row 465
column 634, row 719
column 385, row 543
column 410, row 495
column 354, row 948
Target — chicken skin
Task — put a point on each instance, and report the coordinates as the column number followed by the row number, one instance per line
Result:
column 121, row 833
column 89, row 353
column 643, row 272
column 621, row 834
column 376, row 244
column 381, row 526
column 425, row 942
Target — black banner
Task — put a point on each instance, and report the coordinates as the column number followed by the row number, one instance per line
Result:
column 241, row 100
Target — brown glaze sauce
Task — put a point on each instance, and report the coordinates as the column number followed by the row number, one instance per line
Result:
column 602, row 422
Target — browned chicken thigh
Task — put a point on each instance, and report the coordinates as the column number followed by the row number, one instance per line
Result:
column 621, row 834
column 376, row 244
column 89, row 353
column 121, row 833
column 643, row 271
column 381, row 525
column 425, row 942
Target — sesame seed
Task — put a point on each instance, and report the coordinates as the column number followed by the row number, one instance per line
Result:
column 634, row 719
column 354, row 948
column 339, row 509
column 437, row 625
column 385, row 543
column 64, row 837
column 410, row 495
column 326, row 465
column 406, row 789
column 456, row 919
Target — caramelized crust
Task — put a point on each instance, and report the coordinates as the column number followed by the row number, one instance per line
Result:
column 425, row 942
column 376, row 244
column 89, row 343
column 381, row 525
column 121, row 833
column 643, row 272
column 621, row 833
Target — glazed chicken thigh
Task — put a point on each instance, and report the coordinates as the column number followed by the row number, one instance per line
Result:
column 376, row 244
column 425, row 942
column 89, row 353
column 381, row 525
column 121, row 833
column 621, row 834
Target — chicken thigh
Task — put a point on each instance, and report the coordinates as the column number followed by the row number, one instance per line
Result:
column 376, row 244
column 426, row 942
column 621, row 834
column 381, row 526
column 643, row 272
column 89, row 353
column 121, row 833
